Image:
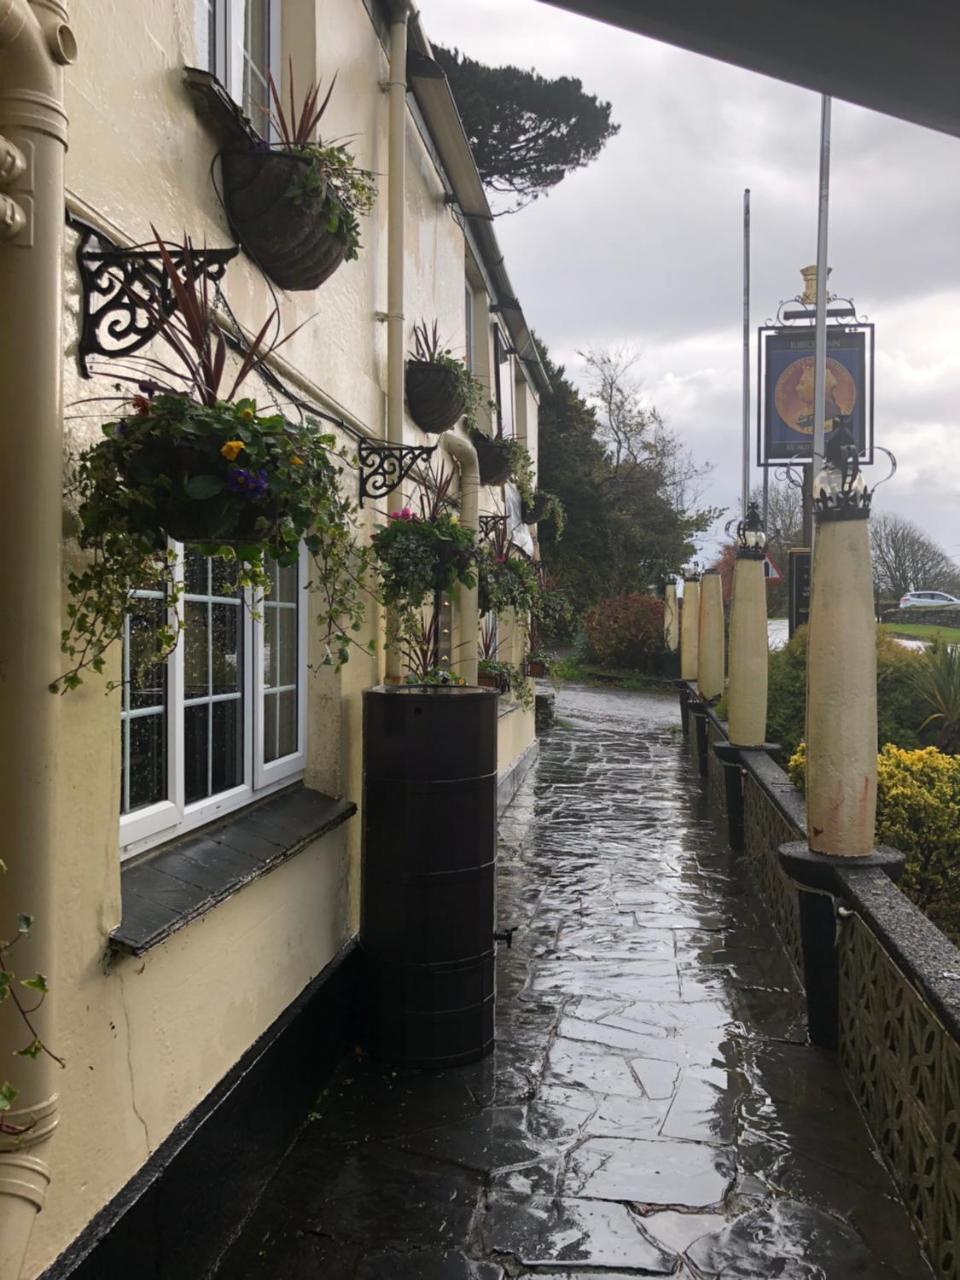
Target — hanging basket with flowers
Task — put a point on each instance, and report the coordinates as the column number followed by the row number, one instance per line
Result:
column 188, row 461
column 418, row 557
column 295, row 207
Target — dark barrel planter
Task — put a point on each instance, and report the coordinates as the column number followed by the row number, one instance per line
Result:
column 434, row 395
column 427, row 897
column 288, row 240
column 493, row 459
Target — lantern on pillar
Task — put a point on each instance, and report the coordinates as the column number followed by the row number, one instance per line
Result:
column 747, row 689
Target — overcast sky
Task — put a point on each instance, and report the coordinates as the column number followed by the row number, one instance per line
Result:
column 643, row 247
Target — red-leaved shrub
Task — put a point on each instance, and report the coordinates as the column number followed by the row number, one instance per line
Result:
column 625, row 631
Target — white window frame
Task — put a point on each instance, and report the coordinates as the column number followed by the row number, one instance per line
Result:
column 156, row 823
column 225, row 60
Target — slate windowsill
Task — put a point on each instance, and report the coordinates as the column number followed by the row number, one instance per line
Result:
column 183, row 880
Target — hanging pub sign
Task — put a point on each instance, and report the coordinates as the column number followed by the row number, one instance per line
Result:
column 786, row 390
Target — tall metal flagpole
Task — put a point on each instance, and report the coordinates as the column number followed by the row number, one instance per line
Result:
column 745, row 481
column 820, row 334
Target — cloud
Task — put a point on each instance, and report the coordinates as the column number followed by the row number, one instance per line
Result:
column 643, row 247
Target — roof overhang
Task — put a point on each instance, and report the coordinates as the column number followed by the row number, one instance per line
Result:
column 888, row 55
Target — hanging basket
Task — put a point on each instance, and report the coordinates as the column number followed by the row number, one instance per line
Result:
column 493, row 458
column 227, row 519
column 287, row 239
column 435, row 395
column 533, row 512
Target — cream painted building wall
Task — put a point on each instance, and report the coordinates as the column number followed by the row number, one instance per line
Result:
column 146, row 1039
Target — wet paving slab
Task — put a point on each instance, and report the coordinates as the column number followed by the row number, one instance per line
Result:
column 652, row 1107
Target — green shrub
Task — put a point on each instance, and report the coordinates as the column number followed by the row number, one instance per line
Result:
column 625, row 631
column 900, row 707
column 918, row 812
column 937, row 684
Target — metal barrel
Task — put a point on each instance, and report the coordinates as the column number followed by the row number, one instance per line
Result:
column 428, row 893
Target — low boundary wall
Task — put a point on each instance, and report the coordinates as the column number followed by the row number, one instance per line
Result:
column 899, row 991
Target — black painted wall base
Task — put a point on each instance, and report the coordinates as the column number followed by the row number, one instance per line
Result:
column 176, row 1217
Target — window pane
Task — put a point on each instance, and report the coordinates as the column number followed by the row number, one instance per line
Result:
column 256, row 63
column 147, row 684
column 281, row 664
column 226, row 647
column 287, row 723
column 227, row 760
column 213, row 678
column 143, row 708
column 270, row 645
column 196, row 669
column 148, row 760
column 287, row 580
column 195, row 753
column 287, row 645
column 270, row 709
column 196, row 573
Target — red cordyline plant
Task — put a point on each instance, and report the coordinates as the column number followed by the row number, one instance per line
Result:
column 329, row 182
column 298, row 129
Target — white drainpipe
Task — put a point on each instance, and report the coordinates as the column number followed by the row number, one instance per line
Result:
column 396, row 222
column 35, row 44
column 463, row 452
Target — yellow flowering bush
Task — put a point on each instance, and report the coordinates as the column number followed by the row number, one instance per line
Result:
column 918, row 812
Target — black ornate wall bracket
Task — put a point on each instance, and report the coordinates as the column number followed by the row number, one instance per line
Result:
column 115, row 284
column 385, row 466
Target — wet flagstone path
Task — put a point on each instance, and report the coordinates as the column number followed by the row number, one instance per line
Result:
column 651, row 1108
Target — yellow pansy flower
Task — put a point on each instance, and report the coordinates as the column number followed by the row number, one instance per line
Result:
column 295, row 461
column 231, row 449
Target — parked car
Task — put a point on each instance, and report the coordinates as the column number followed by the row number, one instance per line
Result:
column 926, row 597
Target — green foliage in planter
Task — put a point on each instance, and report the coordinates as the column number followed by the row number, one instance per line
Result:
column 545, row 507
column 918, row 812
column 625, row 631
column 506, row 581
column 517, row 463
column 553, row 616
column 511, row 680
column 346, row 190
column 417, row 557
column 244, row 486
column 330, row 172
column 900, row 708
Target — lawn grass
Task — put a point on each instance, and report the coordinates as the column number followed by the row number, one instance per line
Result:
column 922, row 631
column 570, row 669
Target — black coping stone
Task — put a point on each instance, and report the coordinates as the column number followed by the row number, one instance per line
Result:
column 183, row 880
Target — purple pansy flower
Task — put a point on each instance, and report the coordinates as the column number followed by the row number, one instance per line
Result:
column 252, row 484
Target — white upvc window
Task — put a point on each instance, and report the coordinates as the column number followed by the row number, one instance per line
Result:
column 503, row 382
column 239, row 41
column 223, row 720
